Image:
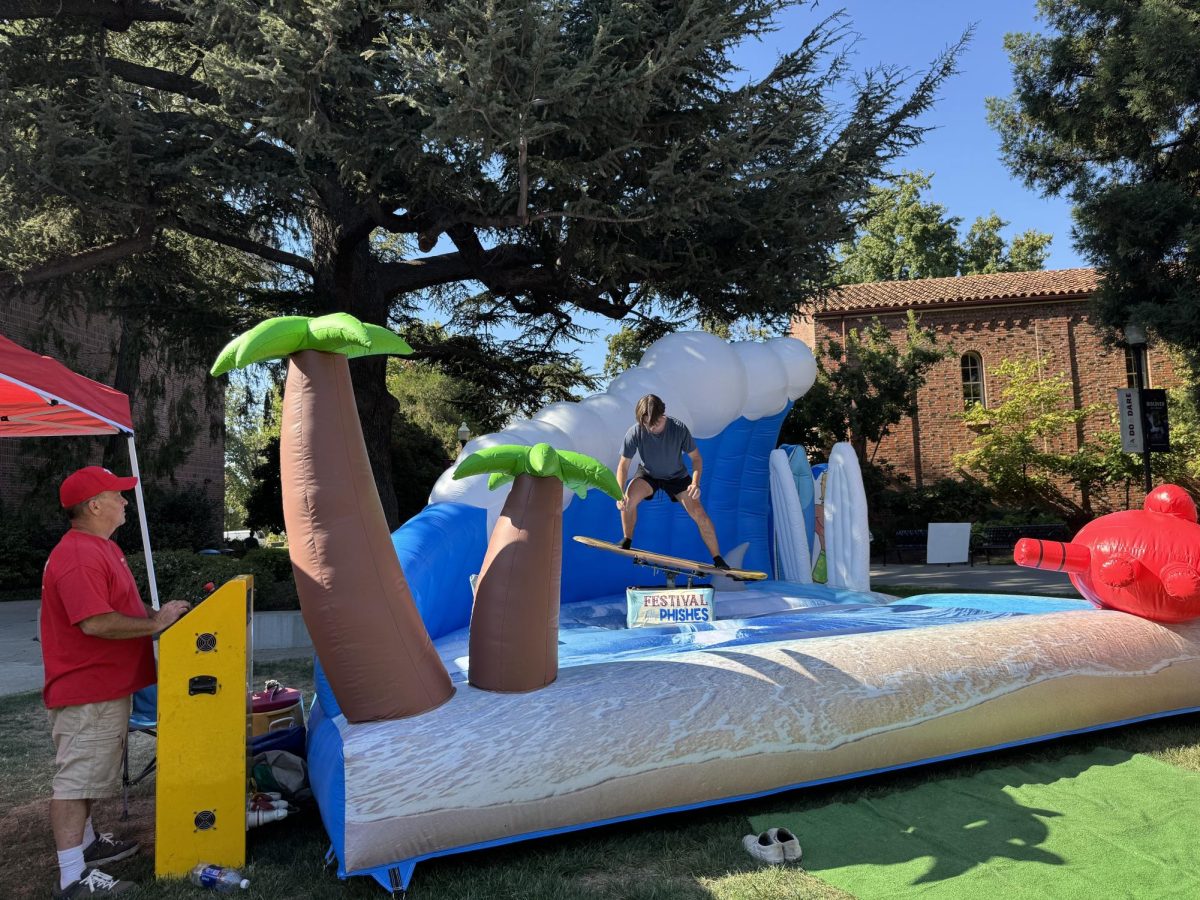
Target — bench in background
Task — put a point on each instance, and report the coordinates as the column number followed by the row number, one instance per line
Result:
column 1002, row 538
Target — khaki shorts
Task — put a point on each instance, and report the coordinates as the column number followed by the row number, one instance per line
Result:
column 89, row 741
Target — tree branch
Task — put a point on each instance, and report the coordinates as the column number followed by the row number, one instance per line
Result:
column 117, row 15
column 139, row 242
column 262, row 251
column 162, row 80
column 431, row 271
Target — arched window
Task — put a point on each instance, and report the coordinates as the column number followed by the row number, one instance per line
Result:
column 972, row 380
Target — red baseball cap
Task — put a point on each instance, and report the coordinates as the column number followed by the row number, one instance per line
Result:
column 90, row 481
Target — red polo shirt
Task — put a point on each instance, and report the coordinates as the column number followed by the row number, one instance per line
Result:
column 86, row 575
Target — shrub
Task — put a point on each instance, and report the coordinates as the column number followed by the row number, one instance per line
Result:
column 25, row 542
column 180, row 519
column 181, row 575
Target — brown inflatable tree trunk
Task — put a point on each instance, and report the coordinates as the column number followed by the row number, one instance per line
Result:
column 354, row 598
column 514, row 625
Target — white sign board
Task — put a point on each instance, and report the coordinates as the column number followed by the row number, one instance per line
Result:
column 948, row 542
column 1129, row 417
column 669, row 606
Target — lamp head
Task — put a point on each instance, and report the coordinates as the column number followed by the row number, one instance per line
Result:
column 1135, row 335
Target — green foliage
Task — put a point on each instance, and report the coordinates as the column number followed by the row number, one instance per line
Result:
column 1021, row 449
column 606, row 158
column 577, row 471
column 182, row 575
column 902, row 236
column 863, row 388
column 895, row 506
column 1106, row 110
column 251, row 421
column 486, row 382
column 264, row 503
column 180, row 518
column 983, row 251
column 25, row 542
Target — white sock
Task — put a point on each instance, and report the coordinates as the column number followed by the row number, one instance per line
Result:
column 89, row 834
column 70, row 866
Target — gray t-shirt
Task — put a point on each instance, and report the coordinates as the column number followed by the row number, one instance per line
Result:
column 662, row 454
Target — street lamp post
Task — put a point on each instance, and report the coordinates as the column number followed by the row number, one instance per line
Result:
column 464, row 435
column 1135, row 338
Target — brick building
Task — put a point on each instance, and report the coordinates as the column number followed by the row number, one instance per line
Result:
column 985, row 319
column 88, row 344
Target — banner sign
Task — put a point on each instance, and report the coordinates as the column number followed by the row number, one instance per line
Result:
column 1158, row 430
column 1129, row 417
column 669, row 606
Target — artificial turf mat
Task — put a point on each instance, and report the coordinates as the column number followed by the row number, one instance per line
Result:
column 1100, row 825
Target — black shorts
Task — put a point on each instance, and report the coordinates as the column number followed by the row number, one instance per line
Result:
column 672, row 487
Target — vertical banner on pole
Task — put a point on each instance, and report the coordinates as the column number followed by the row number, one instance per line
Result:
column 1129, row 416
column 1158, row 429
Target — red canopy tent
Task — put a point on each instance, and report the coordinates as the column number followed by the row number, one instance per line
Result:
column 40, row 397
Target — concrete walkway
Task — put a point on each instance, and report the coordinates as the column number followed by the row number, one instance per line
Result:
column 981, row 579
column 277, row 635
column 20, row 653
column 281, row 635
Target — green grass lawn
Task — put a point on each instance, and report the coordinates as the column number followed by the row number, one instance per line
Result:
column 676, row 857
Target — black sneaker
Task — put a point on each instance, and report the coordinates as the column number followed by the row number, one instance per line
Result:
column 626, row 543
column 106, row 849
column 94, row 883
column 719, row 562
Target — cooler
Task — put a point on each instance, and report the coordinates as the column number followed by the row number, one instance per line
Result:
column 275, row 707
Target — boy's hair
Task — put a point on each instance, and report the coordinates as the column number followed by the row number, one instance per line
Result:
column 648, row 409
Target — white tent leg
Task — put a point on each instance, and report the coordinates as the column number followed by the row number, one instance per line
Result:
column 141, row 508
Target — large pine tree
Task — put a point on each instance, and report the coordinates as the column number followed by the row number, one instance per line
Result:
column 514, row 162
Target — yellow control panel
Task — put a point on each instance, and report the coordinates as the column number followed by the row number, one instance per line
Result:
column 204, row 668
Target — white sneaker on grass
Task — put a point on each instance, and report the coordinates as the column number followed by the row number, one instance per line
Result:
column 763, row 848
column 788, row 842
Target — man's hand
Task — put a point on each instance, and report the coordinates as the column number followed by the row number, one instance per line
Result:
column 621, row 504
column 169, row 613
column 693, row 491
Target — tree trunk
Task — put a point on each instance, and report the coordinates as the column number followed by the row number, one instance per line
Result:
column 347, row 280
column 354, row 598
column 125, row 379
column 514, row 625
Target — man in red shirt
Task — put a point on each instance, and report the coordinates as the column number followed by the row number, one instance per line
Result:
column 97, row 650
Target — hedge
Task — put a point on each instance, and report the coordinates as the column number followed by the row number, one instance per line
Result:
column 181, row 575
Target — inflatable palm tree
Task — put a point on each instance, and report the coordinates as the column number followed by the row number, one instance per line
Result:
column 354, row 597
column 514, row 624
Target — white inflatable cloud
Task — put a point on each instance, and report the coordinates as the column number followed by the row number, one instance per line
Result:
column 708, row 373
column 705, row 382
column 766, row 380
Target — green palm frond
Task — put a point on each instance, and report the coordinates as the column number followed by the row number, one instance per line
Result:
column 578, row 471
column 285, row 335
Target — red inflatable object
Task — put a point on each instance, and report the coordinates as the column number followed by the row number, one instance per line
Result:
column 1142, row 561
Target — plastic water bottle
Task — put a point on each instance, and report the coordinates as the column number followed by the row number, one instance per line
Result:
column 218, row 878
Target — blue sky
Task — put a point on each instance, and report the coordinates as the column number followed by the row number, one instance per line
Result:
column 962, row 151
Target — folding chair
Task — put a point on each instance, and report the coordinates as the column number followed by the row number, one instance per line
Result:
column 142, row 718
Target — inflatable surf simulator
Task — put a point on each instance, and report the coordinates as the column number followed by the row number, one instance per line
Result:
column 573, row 719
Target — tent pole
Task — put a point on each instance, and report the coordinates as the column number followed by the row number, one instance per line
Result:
column 141, row 508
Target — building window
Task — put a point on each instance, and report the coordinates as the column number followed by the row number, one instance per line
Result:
column 1131, row 369
column 972, row 380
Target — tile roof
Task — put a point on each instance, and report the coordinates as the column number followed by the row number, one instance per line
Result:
column 923, row 292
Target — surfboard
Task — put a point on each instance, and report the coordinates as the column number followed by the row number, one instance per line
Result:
column 671, row 566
